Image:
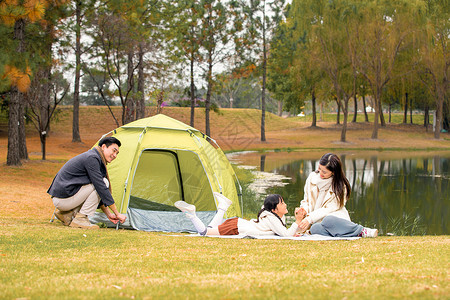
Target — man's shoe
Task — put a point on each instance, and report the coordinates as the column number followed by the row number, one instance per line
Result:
column 65, row 216
column 369, row 233
column 82, row 221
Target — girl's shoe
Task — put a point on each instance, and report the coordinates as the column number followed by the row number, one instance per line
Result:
column 224, row 202
column 185, row 207
column 369, row 233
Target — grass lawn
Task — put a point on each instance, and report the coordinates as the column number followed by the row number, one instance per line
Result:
column 39, row 260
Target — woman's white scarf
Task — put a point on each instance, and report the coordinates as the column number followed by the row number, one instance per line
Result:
column 323, row 185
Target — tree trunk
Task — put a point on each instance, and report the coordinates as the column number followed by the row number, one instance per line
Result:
column 76, row 93
column 321, row 112
column 17, row 148
column 439, row 109
column 344, row 127
column 280, row 108
column 445, row 117
column 377, row 108
column 314, row 114
column 426, row 117
column 382, row 121
column 140, row 110
column 43, row 140
column 355, row 101
column 405, row 113
column 263, row 96
column 338, row 102
column 390, row 112
column 130, row 113
column 23, row 153
column 44, row 100
column 366, row 117
column 410, row 111
column 208, row 95
column 192, row 91
column 14, row 119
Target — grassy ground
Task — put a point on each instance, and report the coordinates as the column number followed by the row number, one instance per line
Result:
column 41, row 260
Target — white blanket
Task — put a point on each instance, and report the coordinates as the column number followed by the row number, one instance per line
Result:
column 313, row 237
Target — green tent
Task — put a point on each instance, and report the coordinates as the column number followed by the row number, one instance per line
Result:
column 161, row 161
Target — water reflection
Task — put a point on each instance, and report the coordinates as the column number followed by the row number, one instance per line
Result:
column 408, row 196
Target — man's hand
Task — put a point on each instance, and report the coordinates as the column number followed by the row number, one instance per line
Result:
column 121, row 218
column 113, row 218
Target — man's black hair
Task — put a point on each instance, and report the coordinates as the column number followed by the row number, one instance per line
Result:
column 108, row 141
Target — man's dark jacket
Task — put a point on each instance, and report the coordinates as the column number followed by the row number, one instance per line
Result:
column 83, row 169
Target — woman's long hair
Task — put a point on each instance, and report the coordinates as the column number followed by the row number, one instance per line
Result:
column 271, row 203
column 339, row 183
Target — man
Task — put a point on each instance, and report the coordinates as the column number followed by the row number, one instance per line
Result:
column 82, row 185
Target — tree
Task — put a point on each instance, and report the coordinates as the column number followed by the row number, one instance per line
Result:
column 185, row 36
column 261, row 18
column 43, row 87
column 89, row 90
column 22, row 25
column 335, row 33
column 215, row 34
column 113, row 41
column 381, row 36
column 435, row 55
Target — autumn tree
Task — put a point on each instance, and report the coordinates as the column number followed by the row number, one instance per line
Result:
column 381, row 36
column 435, row 55
column 21, row 23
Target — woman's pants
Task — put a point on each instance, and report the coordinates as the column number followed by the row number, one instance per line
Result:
column 336, row 227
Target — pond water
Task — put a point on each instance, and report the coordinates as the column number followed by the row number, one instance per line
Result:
column 398, row 193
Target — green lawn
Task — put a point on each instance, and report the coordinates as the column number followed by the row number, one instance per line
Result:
column 39, row 260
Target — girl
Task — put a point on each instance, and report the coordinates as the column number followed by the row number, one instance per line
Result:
column 323, row 206
column 270, row 220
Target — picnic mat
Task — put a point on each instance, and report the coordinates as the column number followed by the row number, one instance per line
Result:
column 306, row 237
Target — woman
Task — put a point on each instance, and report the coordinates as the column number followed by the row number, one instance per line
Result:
column 270, row 220
column 323, row 207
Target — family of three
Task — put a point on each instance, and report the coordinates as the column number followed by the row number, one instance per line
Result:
column 82, row 185
column 322, row 211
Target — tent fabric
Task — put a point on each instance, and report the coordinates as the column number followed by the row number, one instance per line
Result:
column 161, row 161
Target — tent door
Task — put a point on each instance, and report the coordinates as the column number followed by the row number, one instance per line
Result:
column 157, row 182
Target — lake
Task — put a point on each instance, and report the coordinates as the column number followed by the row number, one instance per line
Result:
column 400, row 193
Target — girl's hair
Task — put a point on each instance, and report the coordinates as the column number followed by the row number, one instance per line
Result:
column 270, row 203
column 339, row 182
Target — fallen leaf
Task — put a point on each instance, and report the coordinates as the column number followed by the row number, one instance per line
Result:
column 117, row 287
